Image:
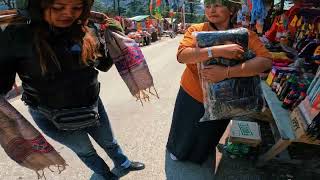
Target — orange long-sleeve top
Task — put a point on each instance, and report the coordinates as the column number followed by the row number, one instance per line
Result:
column 190, row 81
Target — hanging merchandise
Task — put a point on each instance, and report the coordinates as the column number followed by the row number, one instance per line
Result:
column 249, row 4
column 296, row 31
column 271, row 34
column 244, row 15
column 258, row 12
column 281, row 31
column 259, row 26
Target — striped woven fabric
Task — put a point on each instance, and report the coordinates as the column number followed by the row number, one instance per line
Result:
column 25, row 144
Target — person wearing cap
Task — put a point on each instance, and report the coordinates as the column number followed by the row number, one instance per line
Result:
column 54, row 54
column 190, row 140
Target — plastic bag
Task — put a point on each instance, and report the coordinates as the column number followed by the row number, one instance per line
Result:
column 235, row 96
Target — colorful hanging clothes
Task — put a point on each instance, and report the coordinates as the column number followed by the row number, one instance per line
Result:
column 258, row 12
column 271, row 34
column 290, row 14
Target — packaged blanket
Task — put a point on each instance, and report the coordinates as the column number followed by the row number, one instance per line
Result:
column 235, row 96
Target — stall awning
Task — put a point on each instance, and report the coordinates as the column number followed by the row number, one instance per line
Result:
column 139, row 18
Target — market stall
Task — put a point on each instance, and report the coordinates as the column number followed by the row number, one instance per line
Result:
column 144, row 29
column 292, row 88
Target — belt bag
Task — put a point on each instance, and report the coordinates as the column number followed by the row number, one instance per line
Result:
column 73, row 118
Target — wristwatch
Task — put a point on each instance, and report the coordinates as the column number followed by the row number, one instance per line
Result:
column 210, row 55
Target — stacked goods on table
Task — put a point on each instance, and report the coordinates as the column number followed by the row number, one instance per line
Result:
column 290, row 85
column 295, row 46
column 294, row 43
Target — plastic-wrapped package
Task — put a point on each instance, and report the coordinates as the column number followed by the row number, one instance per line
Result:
column 235, row 96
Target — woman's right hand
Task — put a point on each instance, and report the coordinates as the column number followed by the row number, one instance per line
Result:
column 228, row 51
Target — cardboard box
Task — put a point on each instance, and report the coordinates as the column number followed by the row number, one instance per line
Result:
column 299, row 126
column 245, row 132
column 307, row 111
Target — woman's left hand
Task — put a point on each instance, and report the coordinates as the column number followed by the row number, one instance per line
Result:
column 214, row 73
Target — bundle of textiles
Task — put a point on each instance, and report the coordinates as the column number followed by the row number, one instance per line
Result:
column 231, row 97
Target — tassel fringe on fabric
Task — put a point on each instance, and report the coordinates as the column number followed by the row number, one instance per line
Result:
column 127, row 57
column 25, row 145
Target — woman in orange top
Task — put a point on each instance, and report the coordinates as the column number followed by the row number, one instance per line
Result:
column 189, row 139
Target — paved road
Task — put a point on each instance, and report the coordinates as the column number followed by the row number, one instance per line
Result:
column 141, row 131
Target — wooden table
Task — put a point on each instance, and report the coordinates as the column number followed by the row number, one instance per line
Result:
column 282, row 126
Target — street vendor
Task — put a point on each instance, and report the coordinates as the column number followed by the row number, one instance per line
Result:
column 190, row 140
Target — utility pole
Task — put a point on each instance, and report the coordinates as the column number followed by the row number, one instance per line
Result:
column 119, row 13
column 183, row 16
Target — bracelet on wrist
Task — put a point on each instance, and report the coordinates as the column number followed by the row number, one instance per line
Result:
column 228, row 72
column 210, row 54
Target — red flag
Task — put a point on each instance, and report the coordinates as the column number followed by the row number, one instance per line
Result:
column 158, row 3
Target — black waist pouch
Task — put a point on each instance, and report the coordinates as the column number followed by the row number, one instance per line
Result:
column 73, row 118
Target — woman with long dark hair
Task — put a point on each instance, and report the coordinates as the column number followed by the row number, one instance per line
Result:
column 55, row 56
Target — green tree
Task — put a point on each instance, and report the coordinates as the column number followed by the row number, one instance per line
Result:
column 136, row 7
column 99, row 6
